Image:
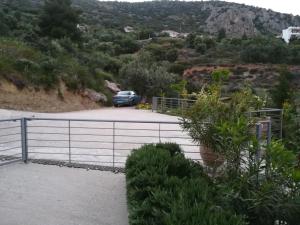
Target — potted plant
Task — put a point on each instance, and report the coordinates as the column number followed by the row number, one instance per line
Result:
column 199, row 121
column 205, row 119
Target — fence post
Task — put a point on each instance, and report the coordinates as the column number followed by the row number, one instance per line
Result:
column 24, row 140
column 281, row 123
column 258, row 127
column 69, row 126
column 114, row 126
column 154, row 104
column 269, row 130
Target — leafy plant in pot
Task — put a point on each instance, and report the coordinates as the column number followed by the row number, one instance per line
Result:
column 200, row 119
column 205, row 118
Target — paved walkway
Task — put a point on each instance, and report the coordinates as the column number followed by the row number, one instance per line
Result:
column 36, row 194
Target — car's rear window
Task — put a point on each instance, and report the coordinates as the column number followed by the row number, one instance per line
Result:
column 124, row 93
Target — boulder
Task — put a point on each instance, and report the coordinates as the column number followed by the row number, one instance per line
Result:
column 94, row 95
column 113, row 87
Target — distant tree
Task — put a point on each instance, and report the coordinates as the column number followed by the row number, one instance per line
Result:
column 209, row 42
column 264, row 50
column 59, row 20
column 172, row 55
column 282, row 92
column 145, row 34
column 221, row 34
column 190, row 40
column 199, row 45
column 146, row 77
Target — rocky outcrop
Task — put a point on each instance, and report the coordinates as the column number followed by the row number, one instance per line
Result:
column 94, row 95
column 239, row 20
column 192, row 16
column 113, row 87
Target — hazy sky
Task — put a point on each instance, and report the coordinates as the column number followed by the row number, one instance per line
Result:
column 285, row 6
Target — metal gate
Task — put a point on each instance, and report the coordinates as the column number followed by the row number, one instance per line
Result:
column 91, row 143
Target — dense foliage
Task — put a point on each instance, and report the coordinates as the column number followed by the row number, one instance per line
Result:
column 244, row 50
column 163, row 187
column 284, row 96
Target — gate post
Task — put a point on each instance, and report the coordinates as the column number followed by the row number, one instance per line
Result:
column 24, row 140
column 258, row 127
column 154, row 104
column 269, row 132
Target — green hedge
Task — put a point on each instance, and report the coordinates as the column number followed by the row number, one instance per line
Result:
column 165, row 188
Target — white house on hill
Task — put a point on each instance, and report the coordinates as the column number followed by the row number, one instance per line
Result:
column 290, row 33
column 128, row 29
column 174, row 34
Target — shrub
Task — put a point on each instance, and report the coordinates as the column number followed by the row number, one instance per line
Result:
column 25, row 65
column 145, row 106
column 163, row 187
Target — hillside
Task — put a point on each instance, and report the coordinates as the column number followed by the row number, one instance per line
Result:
column 207, row 17
column 203, row 16
column 40, row 52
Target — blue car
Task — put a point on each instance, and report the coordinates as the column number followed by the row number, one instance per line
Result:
column 126, row 98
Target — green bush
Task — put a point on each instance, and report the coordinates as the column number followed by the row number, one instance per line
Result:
column 163, row 187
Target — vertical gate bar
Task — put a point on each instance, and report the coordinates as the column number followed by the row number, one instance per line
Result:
column 281, row 123
column 24, row 140
column 153, row 104
column 114, row 126
column 159, row 133
column 69, row 125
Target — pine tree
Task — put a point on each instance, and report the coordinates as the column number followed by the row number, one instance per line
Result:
column 59, row 19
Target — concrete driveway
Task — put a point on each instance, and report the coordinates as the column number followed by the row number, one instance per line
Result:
column 36, row 194
column 121, row 113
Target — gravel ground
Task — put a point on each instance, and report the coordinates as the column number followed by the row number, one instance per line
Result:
column 33, row 194
column 92, row 142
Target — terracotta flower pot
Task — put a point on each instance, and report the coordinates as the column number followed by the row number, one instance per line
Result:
column 211, row 158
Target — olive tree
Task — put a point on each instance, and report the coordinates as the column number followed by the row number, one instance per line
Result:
column 146, row 77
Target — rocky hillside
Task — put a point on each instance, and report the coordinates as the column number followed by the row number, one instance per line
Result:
column 208, row 17
column 75, row 63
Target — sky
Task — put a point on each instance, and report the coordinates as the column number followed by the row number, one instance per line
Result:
column 284, row 6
